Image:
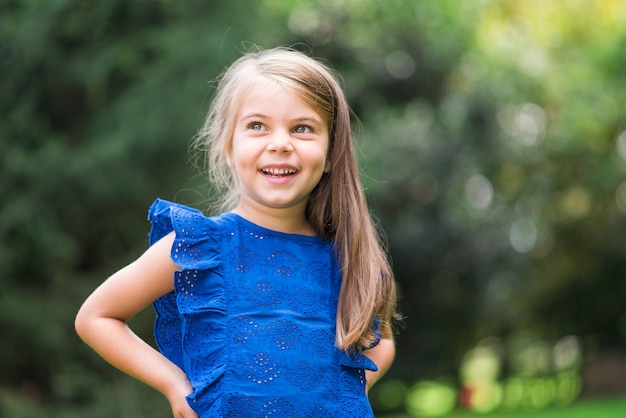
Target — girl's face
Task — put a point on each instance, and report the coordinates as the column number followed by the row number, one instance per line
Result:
column 278, row 151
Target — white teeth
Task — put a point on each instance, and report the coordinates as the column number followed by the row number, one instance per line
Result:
column 279, row 171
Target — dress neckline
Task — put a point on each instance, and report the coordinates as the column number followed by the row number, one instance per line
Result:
column 240, row 219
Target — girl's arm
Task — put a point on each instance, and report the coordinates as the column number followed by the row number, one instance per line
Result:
column 101, row 323
column 382, row 354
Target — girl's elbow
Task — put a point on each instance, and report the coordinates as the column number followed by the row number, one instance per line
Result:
column 84, row 322
column 81, row 323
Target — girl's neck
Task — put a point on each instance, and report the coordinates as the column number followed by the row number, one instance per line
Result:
column 287, row 220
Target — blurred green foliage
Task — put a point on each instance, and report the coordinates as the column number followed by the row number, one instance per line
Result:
column 605, row 408
column 492, row 139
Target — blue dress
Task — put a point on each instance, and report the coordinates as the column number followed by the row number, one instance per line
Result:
column 252, row 320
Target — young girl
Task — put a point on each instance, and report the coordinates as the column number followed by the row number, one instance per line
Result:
column 281, row 305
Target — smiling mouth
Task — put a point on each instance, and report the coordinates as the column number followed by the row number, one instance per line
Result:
column 279, row 172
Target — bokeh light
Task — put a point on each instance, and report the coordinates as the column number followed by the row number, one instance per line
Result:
column 523, row 235
column 431, row 398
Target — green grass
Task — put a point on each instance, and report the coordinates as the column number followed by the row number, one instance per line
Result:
column 597, row 408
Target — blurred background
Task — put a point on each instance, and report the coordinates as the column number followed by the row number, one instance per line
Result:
column 492, row 142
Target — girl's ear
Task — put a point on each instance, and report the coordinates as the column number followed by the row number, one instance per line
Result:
column 328, row 162
column 327, row 165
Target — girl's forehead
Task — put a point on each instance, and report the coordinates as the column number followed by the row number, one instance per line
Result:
column 261, row 84
column 266, row 92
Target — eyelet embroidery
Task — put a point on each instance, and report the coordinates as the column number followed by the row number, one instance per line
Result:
column 260, row 314
column 239, row 405
column 319, row 412
column 278, row 408
column 283, row 263
column 243, row 328
column 256, row 235
column 243, row 259
column 262, row 369
column 263, row 294
column 305, row 300
column 318, row 273
column 284, row 334
column 305, row 376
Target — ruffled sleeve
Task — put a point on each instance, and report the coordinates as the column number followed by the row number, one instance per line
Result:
column 358, row 360
column 160, row 216
column 195, row 236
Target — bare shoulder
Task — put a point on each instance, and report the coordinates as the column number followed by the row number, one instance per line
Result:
column 153, row 271
column 156, row 261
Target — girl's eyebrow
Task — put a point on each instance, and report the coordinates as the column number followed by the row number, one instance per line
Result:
column 253, row 115
column 310, row 119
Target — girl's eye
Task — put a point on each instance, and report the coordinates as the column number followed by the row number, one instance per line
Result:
column 256, row 126
column 303, row 129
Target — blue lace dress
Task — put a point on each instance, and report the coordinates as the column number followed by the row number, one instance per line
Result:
column 252, row 320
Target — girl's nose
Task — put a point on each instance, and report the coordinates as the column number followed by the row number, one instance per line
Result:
column 280, row 141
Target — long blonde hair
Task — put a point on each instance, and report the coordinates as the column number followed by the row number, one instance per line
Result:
column 336, row 208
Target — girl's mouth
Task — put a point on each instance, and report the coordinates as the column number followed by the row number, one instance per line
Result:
column 278, row 172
